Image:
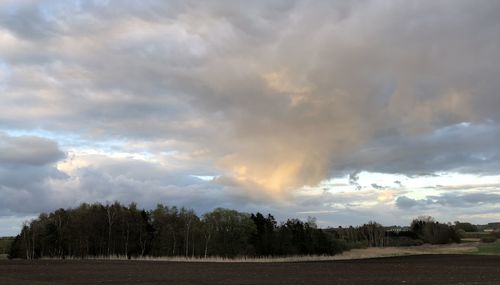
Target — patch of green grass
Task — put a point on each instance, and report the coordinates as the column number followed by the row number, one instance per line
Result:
column 489, row 249
column 475, row 234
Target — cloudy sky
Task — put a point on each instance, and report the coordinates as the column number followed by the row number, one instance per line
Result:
column 348, row 111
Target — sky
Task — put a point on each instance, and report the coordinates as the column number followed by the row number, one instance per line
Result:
column 348, row 111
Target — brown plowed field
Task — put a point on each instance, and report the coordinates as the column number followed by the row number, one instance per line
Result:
column 423, row 269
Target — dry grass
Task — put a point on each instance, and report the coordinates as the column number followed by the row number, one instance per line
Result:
column 215, row 259
column 464, row 248
column 411, row 250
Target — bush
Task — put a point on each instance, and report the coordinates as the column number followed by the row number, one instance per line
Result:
column 433, row 232
column 403, row 241
column 339, row 245
column 475, row 234
column 357, row 244
column 5, row 244
column 489, row 239
column 466, row 227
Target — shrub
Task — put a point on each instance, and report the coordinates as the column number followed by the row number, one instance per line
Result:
column 496, row 234
column 489, row 239
column 403, row 241
column 466, row 227
column 430, row 231
column 339, row 245
column 357, row 244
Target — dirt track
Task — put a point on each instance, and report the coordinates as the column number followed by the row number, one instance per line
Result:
column 425, row 269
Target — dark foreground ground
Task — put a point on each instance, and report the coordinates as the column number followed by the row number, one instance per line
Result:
column 424, row 269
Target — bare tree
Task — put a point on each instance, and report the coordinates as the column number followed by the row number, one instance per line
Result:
column 111, row 212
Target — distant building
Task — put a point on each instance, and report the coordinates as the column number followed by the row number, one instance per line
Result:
column 494, row 226
column 397, row 229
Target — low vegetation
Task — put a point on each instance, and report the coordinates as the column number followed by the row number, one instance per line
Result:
column 5, row 244
column 474, row 235
column 489, row 249
column 488, row 239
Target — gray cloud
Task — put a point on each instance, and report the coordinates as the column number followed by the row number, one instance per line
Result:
column 353, row 180
column 27, row 165
column 156, row 71
column 404, row 202
column 34, row 151
column 463, row 147
column 27, row 189
column 466, row 200
column 455, row 200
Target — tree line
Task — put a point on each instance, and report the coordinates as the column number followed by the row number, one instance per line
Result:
column 97, row 230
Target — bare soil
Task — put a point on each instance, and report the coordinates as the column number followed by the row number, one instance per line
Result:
column 418, row 269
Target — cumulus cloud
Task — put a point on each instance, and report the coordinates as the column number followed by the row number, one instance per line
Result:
column 266, row 96
column 35, row 176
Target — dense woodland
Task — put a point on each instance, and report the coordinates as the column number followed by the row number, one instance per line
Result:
column 96, row 230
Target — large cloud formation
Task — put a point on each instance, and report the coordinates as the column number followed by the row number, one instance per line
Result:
column 268, row 96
